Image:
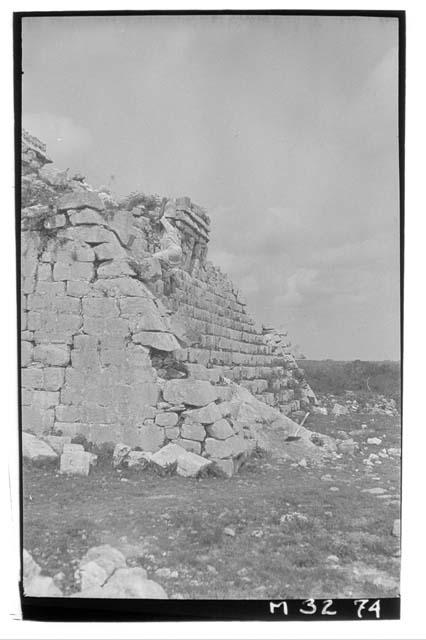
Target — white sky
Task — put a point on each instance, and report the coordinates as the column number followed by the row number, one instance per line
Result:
column 284, row 128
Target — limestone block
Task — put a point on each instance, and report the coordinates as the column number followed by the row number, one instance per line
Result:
column 172, row 433
column 37, row 419
column 224, row 392
column 67, row 413
column 85, row 343
column 198, row 371
column 36, row 450
column 77, row 271
column 188, row 463
column 53, row 378
column 34, row 320
column 90, row 234
column 29, row 566
column 80, row 200
column 45, row 399
column 105, row 326
column 28, row 284
column 101, row 433
column 57, row 442
column 44, row 272
column 99, row 307
column 77, row 288
column 47, row 291
column 116, row 357
column 75, row 463
column 110, row 251
column 26, row 353
column 138, row 458
column 193, row 431
column 32, row 378
column 57, row 327
column 238, row 444
column 206, row 415
column 196, row 393
column 218, row 448
column 150, row 320
column 67, row 447
column 91, row 575
column 41, row 587
column 122, row 222
column 115, row 268
column 168, row 419
column 86, row 216
column 157, row 340
column 189, row 445
column 55, row 355
column 72, row 429
column 83, row 253
column 151, row 437
column 124, row 584
column 226, row 466
column 220, row 430
column 118, row 287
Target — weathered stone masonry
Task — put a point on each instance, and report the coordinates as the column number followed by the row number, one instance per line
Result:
column 108, row 328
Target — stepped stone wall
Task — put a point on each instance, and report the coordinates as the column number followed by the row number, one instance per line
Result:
column 116, row 306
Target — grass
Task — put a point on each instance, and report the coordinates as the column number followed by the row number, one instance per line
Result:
column 180, row 523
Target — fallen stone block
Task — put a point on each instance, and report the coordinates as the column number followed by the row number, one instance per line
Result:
column 206, row 415
column 220, row 430
column 197, row 393
column 188, row 463
column 105, row 556
column 41, row 587
column 37, row 450
column 126, row 583
column 69, row 447
column 225, row 465
column 137, row 459
column 76, row 463
column 57, row 442
column 218, row 448
column 29, row 566
column 91, row 574
column 189, row 445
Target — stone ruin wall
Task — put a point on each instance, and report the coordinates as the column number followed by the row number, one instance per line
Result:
column 106, row 326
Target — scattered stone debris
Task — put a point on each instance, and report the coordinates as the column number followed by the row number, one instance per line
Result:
column 374, row 441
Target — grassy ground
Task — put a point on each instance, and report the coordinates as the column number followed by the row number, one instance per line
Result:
column 182, row 524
